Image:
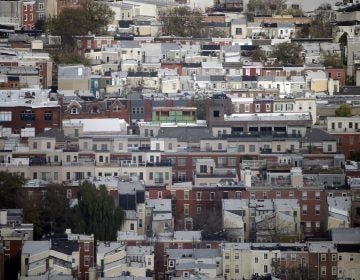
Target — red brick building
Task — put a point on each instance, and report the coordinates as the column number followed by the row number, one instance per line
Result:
column 39, row 117
column 29, row 15
column 323, row 261
column 1, row 262
column 86, row 256
column 337, row 74
column 112, row 108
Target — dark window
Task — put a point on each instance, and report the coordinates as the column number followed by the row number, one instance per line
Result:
column 48, row 115
column 27, row 115
column 216, row 113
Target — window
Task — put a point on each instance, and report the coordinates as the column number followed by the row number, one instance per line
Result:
column 198, row 209
column 293, row 257
column 317, row 195
column 212, row 196
column 323, row 270
column 247, row 108
column 231, row 162
column 304, row 195
column 304, row 209
column 257, row 108
column 186, row 209
column 323, row 257
column 238, row 31
column 198, row 196
column 291, row 194
column 86, row 260
column 333, row 270
column 251, row 148
column 330, row 148
column 317, row 209
column 27, row 115
column 238, row 195
column 237, row 270
column 203, row 169
column 181, row 161
column 265, row 269
column 5, row 117
column 186, row 195
column 265, row 256
column 256, row 260
column 333, row 257
column 268, row 107
column 132, row 226
column 86, row 246
column 171, row 263
column 278, row 194
column 160, row 194
column 74, row 111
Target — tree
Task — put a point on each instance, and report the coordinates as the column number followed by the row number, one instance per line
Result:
column 266, row 7
column 10, row 190
column 295, row 12
column 89, row 17
column 181, row 21
column 209, row 222
column 52, row 215
column 344, row 110
column 258, row 55
column 331, row 60
column 288, row 53
column 96, row 213
column 69, row 57
column 343, row 41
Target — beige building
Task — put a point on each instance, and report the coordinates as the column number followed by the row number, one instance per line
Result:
column 74, row 77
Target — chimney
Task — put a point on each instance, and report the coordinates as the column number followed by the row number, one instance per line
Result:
column 247, row 178
column 3, row 217
column 297, row 180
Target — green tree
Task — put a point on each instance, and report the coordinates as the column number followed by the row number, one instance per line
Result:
column 258, row 55
column 294, row 12
column 343, row 41
column 344, row 110
column 10, row 190
column 67, row 56
column 288, row 53
column 52, row 215
column 181, row 21
column 96, row 213
column 331, row 60
column 89, row 17
column 266, row 7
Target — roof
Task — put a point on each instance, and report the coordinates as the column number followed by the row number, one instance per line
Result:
column 318, row 135
column 99, row 125
column 140, row 250
column 193, row 253
column 187, row 235
column 269, row 117
column 185, row 134
column 234, row 204
column 64, row 246
column 346, row 235
column 159, row 205
column 35, row 247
